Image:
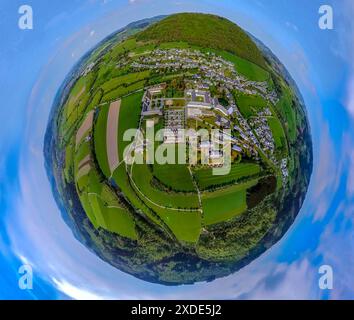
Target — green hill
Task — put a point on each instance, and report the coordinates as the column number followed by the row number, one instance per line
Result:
column 204, row 30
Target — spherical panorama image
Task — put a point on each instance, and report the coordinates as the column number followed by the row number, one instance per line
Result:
column 179, row 149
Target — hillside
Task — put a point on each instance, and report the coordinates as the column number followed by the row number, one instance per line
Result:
column 204, row 30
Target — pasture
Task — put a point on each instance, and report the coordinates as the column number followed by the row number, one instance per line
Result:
column 277, row 130
column 129, row 117
column 225, row 204
column 206, row 179
column 250, row 105
column 174, row 176
column 100, row 142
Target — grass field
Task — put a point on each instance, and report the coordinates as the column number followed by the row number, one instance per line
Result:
column 102, row 208
column 277, row 130
column 122, row 47
column 100, row 140
column 78, row 103
column 75, row 94
column 102, row 211
column 108, row 72
column 69, row 158
column 165, row 78
column 125, row 80
column 129, row 117
column 285, row 108
column 82, row 151
column 119, row 221
column 205, row 177
column 123, row 91
column 100, row 204
column 186, row 226
column 175, row 176
column 225, row 204
column 142, row 177
column 143, row 49
column 223, row 208
column 250, row 105
column 95, row 100
column 250, row 70
column 112, row 217
column 174, row 45
column 244, row 67
column 122, row 179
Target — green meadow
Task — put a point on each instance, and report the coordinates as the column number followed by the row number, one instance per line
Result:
column 225, row 204
column 206, row 179
column 250, row 105
column 100, row 140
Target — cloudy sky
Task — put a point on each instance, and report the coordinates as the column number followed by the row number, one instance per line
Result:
column 34, row 63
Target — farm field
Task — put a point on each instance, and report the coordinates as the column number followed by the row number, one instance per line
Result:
column 77, row 103
column 125, row 80
column 77, row 92
column 118, row 220
column 144, row 49
column 175, row 176
column 250, row 105
column 102, row 211
column 123, row 91
column 172, row 45
column 225, row 204
column 112, row 135
column 121, row 178
column 178, row 211
column 125, row 46
column 129, row 117
column 142, row 177
column 284, row 106
column 206, row 179
column 69, row 159
column 100, row 140
column 278, row 132
column 245, row 67
column 186, row 226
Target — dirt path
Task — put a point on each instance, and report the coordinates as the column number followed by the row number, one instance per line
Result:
column 112, row 135
column 130, row 174
column 197, row 188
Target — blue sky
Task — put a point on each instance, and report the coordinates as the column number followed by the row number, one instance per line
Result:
column 33, row 65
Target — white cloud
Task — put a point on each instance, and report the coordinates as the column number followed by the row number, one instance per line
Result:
column 137, row 1
column 350, row 93
column 292, row 26
column 337, row 250
column 346, row 49
column 75, row 292
column 350, row 183
column 327, row 173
